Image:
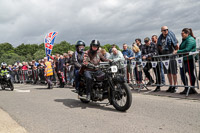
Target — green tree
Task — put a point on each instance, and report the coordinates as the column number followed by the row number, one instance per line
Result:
column 41, row 46
column 6, row 48
column 107, row 47
column 11, row 58
column 40, row 54
column 29, row 57
column 25, row 49
column 62, row 47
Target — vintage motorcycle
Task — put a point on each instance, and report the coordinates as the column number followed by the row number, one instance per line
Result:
column 109, row 85
column 6, row 82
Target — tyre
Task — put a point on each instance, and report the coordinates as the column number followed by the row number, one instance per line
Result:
column 121, row 97
column 11, row 86
column 2, row 87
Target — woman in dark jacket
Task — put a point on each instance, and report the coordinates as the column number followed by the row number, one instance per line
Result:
column 188, row 45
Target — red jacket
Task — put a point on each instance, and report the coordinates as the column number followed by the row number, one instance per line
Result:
column 25, row 67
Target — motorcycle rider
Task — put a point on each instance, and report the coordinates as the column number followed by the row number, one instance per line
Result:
column 91, row 61
column 4, row 69
column 77, row 58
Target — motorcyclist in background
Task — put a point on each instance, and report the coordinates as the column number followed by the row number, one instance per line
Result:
column 91, row 61
column 3, row 69
column 77, row 58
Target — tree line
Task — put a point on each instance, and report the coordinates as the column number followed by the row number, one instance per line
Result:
column 29, row 52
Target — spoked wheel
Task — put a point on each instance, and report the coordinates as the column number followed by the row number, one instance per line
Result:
column 84, row 101
column 122, row 97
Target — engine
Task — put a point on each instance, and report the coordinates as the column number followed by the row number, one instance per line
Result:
column 98, row 91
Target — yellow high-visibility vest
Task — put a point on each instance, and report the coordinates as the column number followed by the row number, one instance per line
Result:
column 48, row 69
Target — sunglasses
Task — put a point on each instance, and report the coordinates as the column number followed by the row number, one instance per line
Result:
column 165, row 30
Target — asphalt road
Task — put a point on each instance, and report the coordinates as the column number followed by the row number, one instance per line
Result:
column 39, row 110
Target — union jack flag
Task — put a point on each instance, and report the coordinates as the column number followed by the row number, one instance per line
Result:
column 49, row 41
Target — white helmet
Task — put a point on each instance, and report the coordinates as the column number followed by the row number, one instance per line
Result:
column 3, row 64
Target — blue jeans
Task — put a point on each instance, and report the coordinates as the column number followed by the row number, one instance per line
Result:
column 71, row 76
column 89, row 80
column 49, row 80
column 162, row 73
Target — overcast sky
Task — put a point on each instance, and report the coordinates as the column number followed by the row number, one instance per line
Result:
column 109, row 21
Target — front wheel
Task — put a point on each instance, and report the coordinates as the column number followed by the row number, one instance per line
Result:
column 84, row 101
column 11, row 86
column 121, row 97
column 3, row 87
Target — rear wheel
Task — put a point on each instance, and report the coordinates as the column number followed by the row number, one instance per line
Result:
column 122, row 97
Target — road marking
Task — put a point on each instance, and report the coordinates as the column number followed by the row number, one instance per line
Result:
column 18, row 90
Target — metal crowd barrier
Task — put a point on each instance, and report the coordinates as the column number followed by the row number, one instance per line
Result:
column 29, row 76
column 35, row 76
column 171, row 61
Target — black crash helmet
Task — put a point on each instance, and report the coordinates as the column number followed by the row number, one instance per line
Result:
column 80, row 43
column 95, row 43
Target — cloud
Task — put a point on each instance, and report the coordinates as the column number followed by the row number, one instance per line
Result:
column 110, row 21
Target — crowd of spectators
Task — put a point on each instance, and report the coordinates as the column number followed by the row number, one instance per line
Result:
column 164, row 44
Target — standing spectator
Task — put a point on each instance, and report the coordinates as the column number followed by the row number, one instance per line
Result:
column 34, row 71
column 138, row 59
column 15, row 71
column 18, row 73
column 188, row 45
column 56, row 67
column 40, row 68
column 167, row 44
column 35, row 74
column 61, row 77
column 113, row 46
column 35, row 63
column 104, row 53
column 70, row 68
column 116, row 55
column 154, row 39
column 139, row 44
column 148, row 51
column 128, row 53
column 65, row 55
column 10, row 68
column 30, row 74
column 53, row 61
column 48, row 73
column 24, row 71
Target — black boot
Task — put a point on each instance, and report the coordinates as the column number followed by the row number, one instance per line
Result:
column 150, row 82
column 169, row 89
column 185, row 91
column 157, row 89
column 48, row 86
column 51, row 86
column 173, row 90
column 192, row 91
